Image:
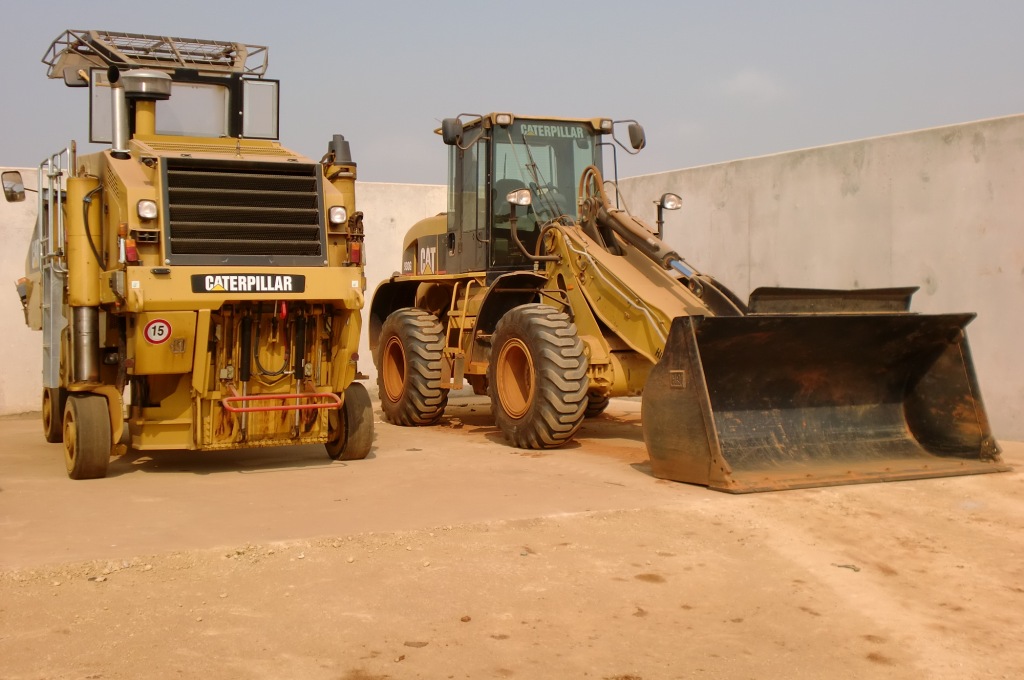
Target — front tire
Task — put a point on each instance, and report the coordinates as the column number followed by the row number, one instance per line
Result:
column 54, row 401
column 409, row 368
column 537, row 377
column 350, row 428
column 86, row 436
column 596, row 404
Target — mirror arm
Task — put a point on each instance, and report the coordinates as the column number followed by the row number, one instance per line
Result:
column 513, row 221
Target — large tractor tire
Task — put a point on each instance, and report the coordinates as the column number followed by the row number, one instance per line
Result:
column 86, row 436
column 54, row 400
column 350, row 428
column 537, row 377
column 409, row 368
column 596, row 404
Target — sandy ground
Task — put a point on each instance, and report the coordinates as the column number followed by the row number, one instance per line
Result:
column 447, row 554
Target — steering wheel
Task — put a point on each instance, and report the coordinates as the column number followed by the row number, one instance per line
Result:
column 549, row 207
column 591, row 193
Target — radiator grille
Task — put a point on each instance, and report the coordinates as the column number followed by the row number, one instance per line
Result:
column 243, row 212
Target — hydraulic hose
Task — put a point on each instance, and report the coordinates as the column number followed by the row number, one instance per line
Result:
column 244, row 370
column 300, row 343
column 256, row 356
column 86, row 203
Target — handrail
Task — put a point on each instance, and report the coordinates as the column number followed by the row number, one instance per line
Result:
column 50, row 241
column 80, row 49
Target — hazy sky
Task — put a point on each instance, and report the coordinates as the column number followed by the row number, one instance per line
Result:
column 710, row 81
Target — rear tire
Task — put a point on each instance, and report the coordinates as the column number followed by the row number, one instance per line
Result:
column 86, row 436
column 537, row 377
column 54, row 400
column 596, row 404
column 409, row 368
column 350, row 428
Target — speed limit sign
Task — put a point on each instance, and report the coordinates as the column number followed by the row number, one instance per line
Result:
column 157, row 331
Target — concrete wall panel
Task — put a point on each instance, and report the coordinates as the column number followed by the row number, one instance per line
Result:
column 21, row 374
column 941, row 209
column 389, row 209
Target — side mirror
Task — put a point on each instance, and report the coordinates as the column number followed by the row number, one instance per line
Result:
column 451, row 131
column 637, row 139
column 14, row 187
column 74, row 77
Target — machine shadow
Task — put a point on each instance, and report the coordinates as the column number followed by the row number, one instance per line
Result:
column 245, row 461
column 619, row 424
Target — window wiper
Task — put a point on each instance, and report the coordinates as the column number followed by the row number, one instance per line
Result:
column 538, row 186
column 544, row 191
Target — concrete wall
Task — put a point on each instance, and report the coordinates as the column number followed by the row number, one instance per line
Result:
column 22, row 368
column 389, row 209
column 942, row 209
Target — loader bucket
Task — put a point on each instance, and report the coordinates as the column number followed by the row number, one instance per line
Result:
column 767, row 402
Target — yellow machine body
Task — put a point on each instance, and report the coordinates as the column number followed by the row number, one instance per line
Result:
column 204, row 290
column 551, row 300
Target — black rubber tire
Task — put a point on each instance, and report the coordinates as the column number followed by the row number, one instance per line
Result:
column 409, row 368
column 537, row 377
column 86, row 436
column 596, row 404
column 54, row 400
column 350, row 428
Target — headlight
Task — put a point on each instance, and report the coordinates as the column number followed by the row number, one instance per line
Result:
column 147, row 209
column 519, row 197
column 670, row 202
column 605, row 125
column 337, row 214
column 503, row 119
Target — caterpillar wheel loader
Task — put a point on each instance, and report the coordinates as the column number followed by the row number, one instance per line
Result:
column 195, row 264
column 534, row 289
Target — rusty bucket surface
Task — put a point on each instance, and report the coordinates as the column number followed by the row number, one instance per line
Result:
column 767, row 402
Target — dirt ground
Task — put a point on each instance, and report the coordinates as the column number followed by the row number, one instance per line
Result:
column 447, row 554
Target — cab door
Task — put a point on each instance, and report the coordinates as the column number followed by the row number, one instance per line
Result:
column 468, row 205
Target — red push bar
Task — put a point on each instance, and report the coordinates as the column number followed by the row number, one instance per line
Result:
column 334, row 401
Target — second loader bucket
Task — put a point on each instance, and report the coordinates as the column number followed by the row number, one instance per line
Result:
column 766, row 402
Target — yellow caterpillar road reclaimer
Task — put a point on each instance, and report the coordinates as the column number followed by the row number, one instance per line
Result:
column 535, row 290
column 197, row 262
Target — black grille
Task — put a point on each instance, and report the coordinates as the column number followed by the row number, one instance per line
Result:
column 239, row 212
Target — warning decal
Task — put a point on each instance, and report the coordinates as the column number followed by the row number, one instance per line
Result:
column 157, row 331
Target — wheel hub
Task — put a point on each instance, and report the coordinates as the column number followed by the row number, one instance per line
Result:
column 47, row 410
column 515, row 378
column 69, row 439
column 393, row 369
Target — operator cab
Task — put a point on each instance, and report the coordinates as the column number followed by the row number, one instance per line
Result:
column 217, row 88
column 198, row 105
column 497, row 154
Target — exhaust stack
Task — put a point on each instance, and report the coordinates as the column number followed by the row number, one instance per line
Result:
column 143, row 86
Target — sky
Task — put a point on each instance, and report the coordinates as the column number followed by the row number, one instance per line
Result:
column 710, row 81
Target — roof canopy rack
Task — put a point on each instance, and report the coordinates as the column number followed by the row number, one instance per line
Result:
column 78, row 50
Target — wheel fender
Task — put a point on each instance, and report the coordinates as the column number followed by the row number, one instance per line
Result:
column 389, row 296
column 506, row 292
